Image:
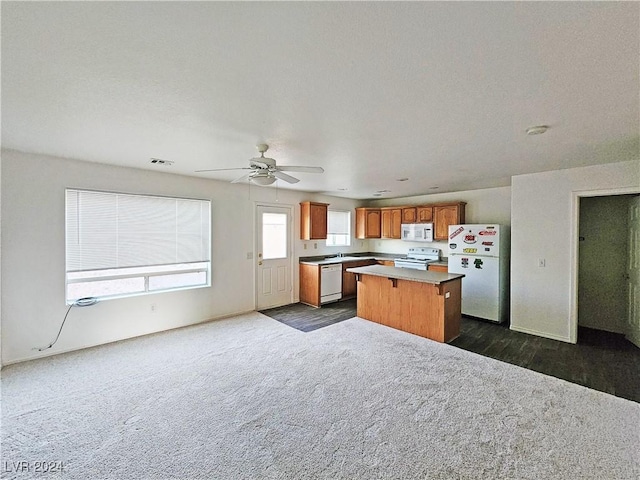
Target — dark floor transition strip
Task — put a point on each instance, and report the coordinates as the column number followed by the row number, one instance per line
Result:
column 306, row 319
column 600, row 360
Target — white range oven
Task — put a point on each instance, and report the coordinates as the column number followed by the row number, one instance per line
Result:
column 418, row 258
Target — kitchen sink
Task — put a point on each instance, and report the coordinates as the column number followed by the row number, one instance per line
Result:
column 345, row 258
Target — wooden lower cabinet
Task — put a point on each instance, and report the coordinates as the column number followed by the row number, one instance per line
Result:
column 387, row 263
column 349, row 284
column 424, row 309
column 310, row 284
column 438, row 268
column 310, row 281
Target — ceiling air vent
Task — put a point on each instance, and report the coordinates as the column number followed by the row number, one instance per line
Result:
column 158, row 161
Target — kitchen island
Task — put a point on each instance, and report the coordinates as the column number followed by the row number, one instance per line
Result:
column 422, row 302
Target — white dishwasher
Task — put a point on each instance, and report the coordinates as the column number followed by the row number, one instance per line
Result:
column 330, row 283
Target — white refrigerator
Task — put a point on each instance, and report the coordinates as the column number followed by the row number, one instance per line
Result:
column 481, row 253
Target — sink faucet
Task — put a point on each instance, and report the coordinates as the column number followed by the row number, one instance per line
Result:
column 340, row 255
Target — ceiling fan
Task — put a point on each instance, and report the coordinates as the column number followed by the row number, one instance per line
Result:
column 264, row 170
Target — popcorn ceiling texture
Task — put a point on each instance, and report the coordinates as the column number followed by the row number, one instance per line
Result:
column 248, row 397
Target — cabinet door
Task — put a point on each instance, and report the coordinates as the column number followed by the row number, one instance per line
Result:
column 372, row 223
column 386, row 263
column 409, row 215
column 368, row 222
column 310, row 284
column 386, row 223
column 396, row 223
column 438, row 268
column 424, row 214
column 318, row 221
column 445, row 215
column 349, row 284
column 391, row 222
column 313, row 221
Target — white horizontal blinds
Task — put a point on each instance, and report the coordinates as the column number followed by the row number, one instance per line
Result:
column 112, row 230
column 92, row 243
column 337, row 222
column 192, row 230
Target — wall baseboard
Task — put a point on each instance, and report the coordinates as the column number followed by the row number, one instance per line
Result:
column 84, row 347
column 541, row 334
column 633, row 338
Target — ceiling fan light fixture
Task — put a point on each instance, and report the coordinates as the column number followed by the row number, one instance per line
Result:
column 263, row 180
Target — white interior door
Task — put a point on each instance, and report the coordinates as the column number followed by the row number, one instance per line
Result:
column 633, row 274
column 274, row 260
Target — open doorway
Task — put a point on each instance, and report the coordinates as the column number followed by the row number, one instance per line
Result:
column 606, row 296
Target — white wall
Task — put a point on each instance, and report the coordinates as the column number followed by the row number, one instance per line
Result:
column 543, row 226
column 489, row 205
column 33, row 254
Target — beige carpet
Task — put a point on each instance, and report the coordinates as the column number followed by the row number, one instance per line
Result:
column 249, row 397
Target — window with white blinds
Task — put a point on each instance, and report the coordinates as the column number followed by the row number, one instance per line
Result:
column 338, row 228
column 122, row 244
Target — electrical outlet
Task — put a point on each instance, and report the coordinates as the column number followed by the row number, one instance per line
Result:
column 305, row 246
column 315, row 245
column 541, row 262
column 153, row 308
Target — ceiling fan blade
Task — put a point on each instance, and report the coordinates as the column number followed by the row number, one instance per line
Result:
column 295, row 168
column 285, row 177
column 242, row 178
column 224, row 169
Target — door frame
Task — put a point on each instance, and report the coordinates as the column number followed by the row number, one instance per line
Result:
column 256, row 205
column 574, row 246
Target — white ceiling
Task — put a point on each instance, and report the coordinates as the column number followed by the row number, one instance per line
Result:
column 437, row 92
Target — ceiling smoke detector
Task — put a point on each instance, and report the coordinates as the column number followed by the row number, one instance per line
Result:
column 537, row 130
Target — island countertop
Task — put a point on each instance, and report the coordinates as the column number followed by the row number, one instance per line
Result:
column 424, row 276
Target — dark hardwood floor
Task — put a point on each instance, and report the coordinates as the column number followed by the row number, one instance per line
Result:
column 306, row 319
column 600, row 360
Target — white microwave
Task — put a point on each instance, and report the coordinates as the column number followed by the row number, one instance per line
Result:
column 417, row 232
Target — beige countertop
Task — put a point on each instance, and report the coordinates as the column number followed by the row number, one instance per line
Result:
column 354, row 257
column 424, row 276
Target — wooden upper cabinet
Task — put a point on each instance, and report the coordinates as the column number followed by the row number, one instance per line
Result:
column 424, row 214
column 391, row 222
column 445, row 215
column 313, row 220
column 409, row 215
column 368, row 223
